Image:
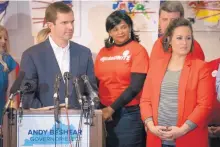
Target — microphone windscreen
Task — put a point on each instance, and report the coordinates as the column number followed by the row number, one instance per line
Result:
column 16, row 85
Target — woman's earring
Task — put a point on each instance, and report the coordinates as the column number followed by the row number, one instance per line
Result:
column 130, row 35
column 110, row 40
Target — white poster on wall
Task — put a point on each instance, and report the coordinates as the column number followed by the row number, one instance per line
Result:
column 42, row 131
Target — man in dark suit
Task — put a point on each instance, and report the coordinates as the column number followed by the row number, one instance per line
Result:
column 56, row 55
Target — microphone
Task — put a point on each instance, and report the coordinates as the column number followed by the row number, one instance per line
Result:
column 67, row 77
column 57, row 86
column 93, row 95
column 28, row 86
column 14, row 89
column 78, row 90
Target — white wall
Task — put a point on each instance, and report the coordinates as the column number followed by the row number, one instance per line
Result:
column 93, row 15
column 20, row 38
column 210, row 44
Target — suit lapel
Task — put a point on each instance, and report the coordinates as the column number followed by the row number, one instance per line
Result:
column 74, row 64
column 52, row 64
column 51, row 60
column 74, row 60
column 53, row 68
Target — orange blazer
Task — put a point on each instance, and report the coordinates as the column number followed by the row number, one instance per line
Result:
column 195, row 100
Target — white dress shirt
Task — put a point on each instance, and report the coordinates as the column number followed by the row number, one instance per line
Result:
column 62, row 55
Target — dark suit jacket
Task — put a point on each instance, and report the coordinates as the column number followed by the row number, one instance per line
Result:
column 39, row 63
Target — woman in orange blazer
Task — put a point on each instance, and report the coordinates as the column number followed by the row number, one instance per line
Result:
column 178, row 93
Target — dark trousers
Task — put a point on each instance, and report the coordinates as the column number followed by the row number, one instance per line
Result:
column 164, row 145
column 126, row 129
column 214, row 142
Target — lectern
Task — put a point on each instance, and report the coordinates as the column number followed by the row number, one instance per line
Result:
column 37, row 128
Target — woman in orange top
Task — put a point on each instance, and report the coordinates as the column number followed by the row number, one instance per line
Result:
column 121, row 68
column 178, row 93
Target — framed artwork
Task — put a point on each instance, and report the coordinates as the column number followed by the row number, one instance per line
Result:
column 143, row 13
column 205, row 15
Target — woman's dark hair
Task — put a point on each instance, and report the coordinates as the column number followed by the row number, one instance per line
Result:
column 114, row 19
column 180, row 22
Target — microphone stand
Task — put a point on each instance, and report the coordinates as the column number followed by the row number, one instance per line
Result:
column 87, row 108
column 92, row 100
column 8, row 103
column 56, row 109
column 56, row 98
column 84, row 109
column 11, row 113
column 56, row 113
column 84, row 113
column 67, row 77
column 56, row 102
column 87, row 111
column 20, row 109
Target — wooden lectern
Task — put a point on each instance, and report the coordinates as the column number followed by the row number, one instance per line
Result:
column 11, row 133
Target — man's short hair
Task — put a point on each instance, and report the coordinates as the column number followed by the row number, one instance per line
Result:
column 172, row 6
column 52, row 9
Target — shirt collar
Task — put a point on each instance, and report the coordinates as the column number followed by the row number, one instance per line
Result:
column 55, row 46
